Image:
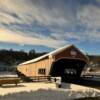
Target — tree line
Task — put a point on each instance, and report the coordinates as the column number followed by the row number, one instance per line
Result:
column 12, row 57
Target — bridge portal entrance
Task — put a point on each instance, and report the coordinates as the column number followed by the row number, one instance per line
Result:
column 67, row 69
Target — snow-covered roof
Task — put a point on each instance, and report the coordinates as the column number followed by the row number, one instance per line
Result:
column 47, row 55
column 35, row 60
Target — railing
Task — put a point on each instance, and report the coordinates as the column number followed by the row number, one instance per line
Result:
column 40, row 78
column 9, row 80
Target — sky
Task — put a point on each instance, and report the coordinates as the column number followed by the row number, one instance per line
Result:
column 45, row 25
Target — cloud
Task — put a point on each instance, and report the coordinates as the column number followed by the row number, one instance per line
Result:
column 92, row 36
column 10, row 37
column 65, row 36
column 6, row 18
column 49, row 22
column 63, row 13
column 88, row 16
column 47, row 12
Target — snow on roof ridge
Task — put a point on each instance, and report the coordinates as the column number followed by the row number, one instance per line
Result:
column 46, row 55
column 59, row 49
column 34, row 60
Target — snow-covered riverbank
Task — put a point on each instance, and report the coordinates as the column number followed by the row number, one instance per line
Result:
column 45, row 91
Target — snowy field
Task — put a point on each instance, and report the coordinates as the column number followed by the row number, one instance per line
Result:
column 45, row 91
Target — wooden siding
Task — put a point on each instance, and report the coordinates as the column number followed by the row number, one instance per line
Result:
column 67, row 54
column 32, row 68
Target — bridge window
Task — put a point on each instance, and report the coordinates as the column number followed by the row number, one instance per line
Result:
column 42, row 71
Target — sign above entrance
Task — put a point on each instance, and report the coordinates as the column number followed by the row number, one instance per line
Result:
column 73, row 53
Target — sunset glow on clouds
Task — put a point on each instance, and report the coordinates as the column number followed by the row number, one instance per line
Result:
column 51, row 23
column 11, row 37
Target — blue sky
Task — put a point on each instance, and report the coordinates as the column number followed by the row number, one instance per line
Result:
column 45, row 25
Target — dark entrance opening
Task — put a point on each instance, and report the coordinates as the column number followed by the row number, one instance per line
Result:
column 67, row 69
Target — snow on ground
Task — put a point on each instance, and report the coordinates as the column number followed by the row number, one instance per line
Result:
column 8, row 74
column 45, row 91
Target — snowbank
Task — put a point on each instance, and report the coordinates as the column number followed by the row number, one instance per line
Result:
column 45, row 91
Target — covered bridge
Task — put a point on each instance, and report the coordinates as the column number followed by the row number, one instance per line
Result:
column 66, row 62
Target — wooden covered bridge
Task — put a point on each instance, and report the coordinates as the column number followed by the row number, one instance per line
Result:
column 66, row 62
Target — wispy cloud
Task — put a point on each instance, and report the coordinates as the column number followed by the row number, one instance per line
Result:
column 49, row 22
column 47, row 12
column 88, row 16
column 10, row 37
column 65, row 36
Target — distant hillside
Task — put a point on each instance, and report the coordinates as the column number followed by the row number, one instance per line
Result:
column 94, row 63
column 11, row 58
column 94, row 58
column 6, row 67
